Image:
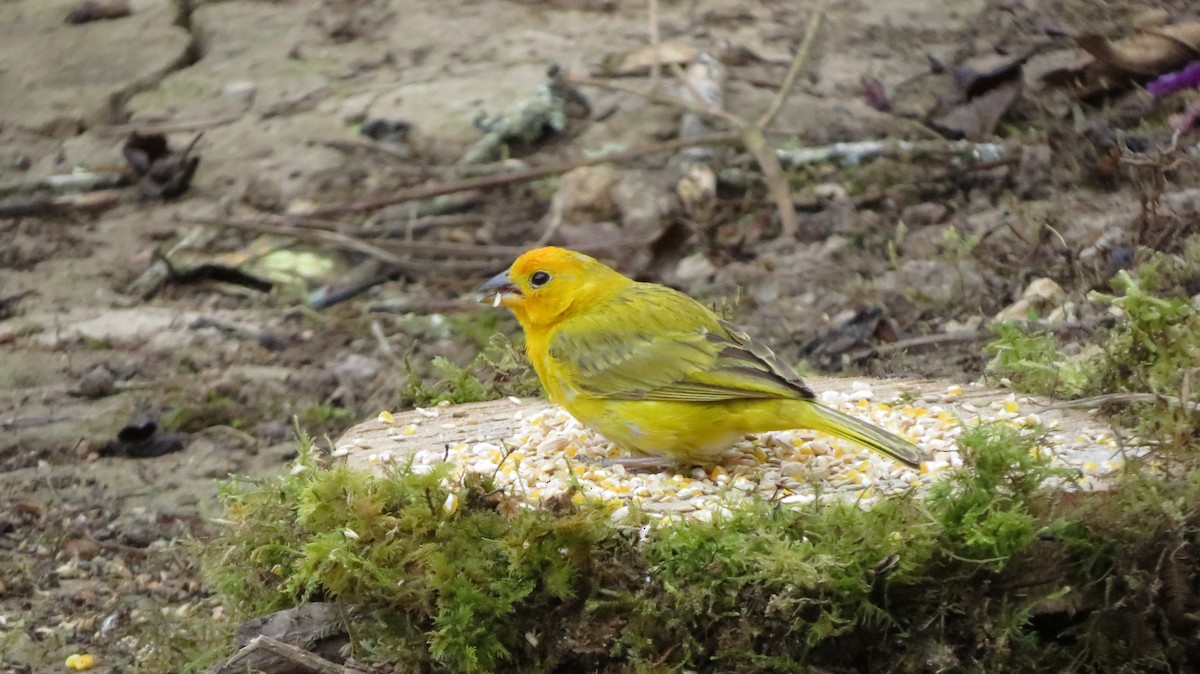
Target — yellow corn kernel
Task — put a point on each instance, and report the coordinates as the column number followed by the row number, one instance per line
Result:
column 80, row 662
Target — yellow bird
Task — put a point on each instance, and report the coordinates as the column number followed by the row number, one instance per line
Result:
column 655, row 371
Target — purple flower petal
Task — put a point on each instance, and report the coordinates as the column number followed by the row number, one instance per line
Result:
column 1187, row 78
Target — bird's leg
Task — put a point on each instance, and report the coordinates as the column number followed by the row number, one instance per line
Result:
column 649, row 464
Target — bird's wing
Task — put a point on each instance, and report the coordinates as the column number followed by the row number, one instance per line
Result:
column 658, row 344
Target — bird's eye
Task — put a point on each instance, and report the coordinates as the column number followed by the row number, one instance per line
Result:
column 539, row 279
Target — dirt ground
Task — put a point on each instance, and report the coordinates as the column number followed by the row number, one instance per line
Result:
column 123, row 404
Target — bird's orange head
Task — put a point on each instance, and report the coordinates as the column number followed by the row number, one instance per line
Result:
column 546, row 285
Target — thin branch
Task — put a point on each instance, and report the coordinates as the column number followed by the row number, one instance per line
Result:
column 789, row 80
column 522, row 176
column 752, row 136
column 662, row 99
column 68, row 182
column 172, row 127
column 655, row 45
column 345, row 242
column 859, row 151
column 1126, row 399
column 47, row 204
column 961, row 337
column 421, row 256
column 298, row 656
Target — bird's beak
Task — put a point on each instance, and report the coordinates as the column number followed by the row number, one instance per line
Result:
column 500, row 291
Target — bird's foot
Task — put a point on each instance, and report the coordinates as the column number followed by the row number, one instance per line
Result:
column 649, row 464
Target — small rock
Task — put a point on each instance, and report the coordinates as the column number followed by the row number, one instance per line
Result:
column 1067, row 312
column 97, row 383
column 697, row 189
column 924, row 214
column 263, row 194
column 354, row 110
column 241, row 93
column 81, row 548
column 1182, row 201
column 387, row 130
column 765, row 291
column 941, row 283
column 586, row 193
column 1032, row 175
column 968, row 324
column 357, row 370
column 1041, row 295
column 140, row 535
column 830, row 192
column 693, row 270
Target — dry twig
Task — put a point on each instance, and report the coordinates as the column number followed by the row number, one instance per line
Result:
column 961, row 337
column 655, row 45
column 1126, row 399
column 752, row 135
column 522, row 176
column 82, row 181
column 171, row 127
column 428, row 257
column 298, row 657
column 46, row 204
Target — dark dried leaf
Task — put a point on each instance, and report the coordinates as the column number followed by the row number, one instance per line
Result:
column 140, row 439
column 978, row 76
column 977, row 119
column 875, row 94
column 93, row 10
column 162, row 173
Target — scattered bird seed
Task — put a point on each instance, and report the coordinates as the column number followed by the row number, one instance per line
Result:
column 550, row 454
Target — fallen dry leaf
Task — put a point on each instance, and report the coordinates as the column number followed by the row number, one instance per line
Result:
column 639, row 61
column 977, row 119
column 1149, row 53
column 1110, row 66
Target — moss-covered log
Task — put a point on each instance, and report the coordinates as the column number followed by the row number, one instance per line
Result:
column 993, row 569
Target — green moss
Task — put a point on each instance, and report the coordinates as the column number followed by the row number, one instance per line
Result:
column 499, row 370
column 452, row 575
column 213, row 409
column 323, row 415
column 1153, row 348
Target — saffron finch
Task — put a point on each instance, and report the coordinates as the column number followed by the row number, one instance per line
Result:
column 653, row 370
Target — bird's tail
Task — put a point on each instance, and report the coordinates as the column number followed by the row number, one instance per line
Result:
column 846, row 427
